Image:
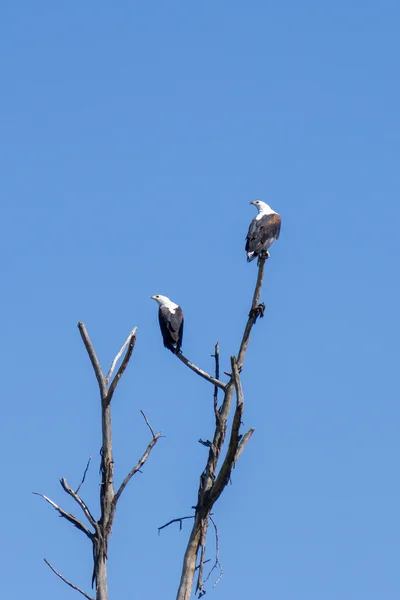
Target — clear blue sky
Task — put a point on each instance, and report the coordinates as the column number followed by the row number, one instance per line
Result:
column 134, row 136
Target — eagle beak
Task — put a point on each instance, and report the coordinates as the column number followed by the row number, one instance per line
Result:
column 153, row 297
column 253, row 202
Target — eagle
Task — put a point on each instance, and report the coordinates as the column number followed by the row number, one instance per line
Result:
column 170, row 317
column 263, row 231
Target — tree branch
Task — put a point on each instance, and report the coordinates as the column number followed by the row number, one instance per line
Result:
column 200, row 372
column 124, row 364
column 179, row 520
column 84, row 475
column 243, row 442
column 254, row 305
column 93, row 359
column 200, row 582
column 148, row 424
column 116, row 359
column 226, row 468
column 216, row 357
column 216, row 563
column 79, row 501
column 67, row 516
column 140, row 463
column 74, row 587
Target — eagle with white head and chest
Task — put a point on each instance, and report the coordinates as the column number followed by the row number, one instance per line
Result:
column 263, row 231
column 170, row 317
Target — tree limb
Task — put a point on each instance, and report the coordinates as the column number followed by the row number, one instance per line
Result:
column 67, row 516
column 116, row 359
column 137, row 467
column 148, row 424
column 226, row 468
column 216, row 357
column 124, row 364
column 178, row 520
column 141, row 462
column 79, row 501
column 254, row 305
column 216, row 563
column 84, row 475
column 74, row 587
column 243, row 442
column 200, row 372
column 93, row 358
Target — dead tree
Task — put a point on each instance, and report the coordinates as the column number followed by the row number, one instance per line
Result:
column 99, row 531
column 213, row 479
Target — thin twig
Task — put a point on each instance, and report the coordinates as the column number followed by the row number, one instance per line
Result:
column 74, row 587
column 124, row 364
column 216, row 357
column 179, row 520
column 200, row 372
column 200, row 582
column 79, row 501
column 93, row 358
column 84, row 475
column 67, row 516
column 137, row 467
column 148, row 424
column 205, row 562
column 116, row 359
column 243, row 442
column 216, row 563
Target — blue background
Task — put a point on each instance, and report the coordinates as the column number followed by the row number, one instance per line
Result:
column 134, row 136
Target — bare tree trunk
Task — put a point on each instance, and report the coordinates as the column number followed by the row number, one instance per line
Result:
column 189, row 561
column 101, row 578
column 106, row 503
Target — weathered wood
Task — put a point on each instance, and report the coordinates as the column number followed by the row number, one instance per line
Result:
column 212, row 481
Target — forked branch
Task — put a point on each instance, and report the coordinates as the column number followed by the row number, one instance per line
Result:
column 108, row 499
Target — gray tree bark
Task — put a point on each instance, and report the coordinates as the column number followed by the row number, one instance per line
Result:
column 212, row 481
column 100, row 530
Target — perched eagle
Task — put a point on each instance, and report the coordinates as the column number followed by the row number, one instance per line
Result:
column 263, row 231
column 170, row 316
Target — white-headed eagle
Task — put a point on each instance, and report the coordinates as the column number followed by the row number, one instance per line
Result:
column 170, row 316
column 263, row 231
